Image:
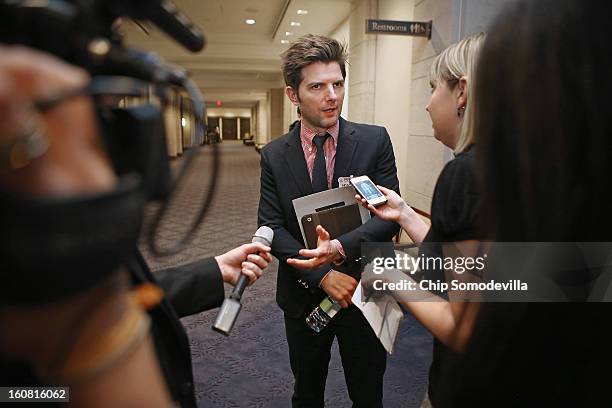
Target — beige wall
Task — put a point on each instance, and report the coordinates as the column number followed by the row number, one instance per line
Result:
column 172, row 119
column 425, row 156
column 362, row 58
column 254, row 125
column 342, row 33
column 393, row 80
column 452, row 20
column 289, row 113
column 389, row 86
column 381, row 72
column 276, row 112
column 263, row 119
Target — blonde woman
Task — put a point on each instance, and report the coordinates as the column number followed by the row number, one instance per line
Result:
column 455, row 204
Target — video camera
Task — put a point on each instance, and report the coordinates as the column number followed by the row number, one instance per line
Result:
column 85, row 33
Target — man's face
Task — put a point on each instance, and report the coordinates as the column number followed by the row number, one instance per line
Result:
column 320, row 96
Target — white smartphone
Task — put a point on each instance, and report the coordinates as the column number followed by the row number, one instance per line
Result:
column 368, row 190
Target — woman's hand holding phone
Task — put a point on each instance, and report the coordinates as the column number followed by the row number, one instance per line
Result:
column 393, row 210
column 396, row 209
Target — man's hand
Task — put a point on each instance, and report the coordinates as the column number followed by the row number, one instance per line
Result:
column 323, row 254
column 248, row 259
column 339, row 287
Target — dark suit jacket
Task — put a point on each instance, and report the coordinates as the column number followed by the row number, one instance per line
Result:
column 188, row 289
column 361, row 150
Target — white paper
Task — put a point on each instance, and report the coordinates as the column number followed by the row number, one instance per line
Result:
column 384, row 315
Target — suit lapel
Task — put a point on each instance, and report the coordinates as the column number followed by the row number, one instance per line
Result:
column 294, row 156
column 347, row 143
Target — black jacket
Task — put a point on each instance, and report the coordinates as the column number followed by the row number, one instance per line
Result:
column 189, row 289
column 361, row 150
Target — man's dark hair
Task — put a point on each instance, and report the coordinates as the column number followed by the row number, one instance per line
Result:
column 309, row 49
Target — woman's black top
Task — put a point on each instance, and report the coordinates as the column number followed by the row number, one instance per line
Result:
column 455, row 210
column 520, row 354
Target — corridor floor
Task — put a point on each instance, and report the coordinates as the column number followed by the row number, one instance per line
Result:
column 250, row 368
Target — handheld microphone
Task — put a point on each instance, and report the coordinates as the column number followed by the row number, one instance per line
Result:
column 231, row 306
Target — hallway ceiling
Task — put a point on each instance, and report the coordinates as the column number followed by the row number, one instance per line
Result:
column 240, row 62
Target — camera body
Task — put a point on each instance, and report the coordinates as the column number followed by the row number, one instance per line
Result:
column 72, row 243
column 85, row 33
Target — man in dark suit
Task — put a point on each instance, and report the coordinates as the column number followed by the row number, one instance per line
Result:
column 310, row 159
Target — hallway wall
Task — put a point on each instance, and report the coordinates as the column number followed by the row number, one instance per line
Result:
column 342, row 33
column 276, row 112
column 262, row 136
column 425, row 156
column 393, row 91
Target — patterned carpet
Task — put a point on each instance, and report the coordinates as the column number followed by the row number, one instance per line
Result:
column 251, row 367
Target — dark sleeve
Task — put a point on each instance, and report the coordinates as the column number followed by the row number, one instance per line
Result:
column 192, row 288
column 455, row 206
column 454, row 214
column 270, row 214
column 375, row 230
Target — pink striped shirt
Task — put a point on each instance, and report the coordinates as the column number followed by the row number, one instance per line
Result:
column 310, row 150
column 310, row 153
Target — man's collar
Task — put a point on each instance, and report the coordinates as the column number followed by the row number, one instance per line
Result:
column 307, row 134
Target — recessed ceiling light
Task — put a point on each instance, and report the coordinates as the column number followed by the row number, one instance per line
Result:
column 249, row 21
column 302, row 12
column 295, row 24
column 284, row 42
column 288, row 33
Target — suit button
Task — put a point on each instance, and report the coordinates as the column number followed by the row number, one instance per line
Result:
column 187, row 388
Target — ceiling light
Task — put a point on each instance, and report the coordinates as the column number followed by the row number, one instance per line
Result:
column 288, row 33
column 295, row 24
column 302, row 12
column 249, row 21
column 284, row 42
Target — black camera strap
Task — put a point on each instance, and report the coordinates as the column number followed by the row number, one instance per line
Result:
column 54, row 247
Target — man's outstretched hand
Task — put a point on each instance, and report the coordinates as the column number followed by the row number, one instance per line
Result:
column 325, row 252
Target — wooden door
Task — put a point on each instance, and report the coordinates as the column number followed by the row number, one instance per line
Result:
column 229, row 128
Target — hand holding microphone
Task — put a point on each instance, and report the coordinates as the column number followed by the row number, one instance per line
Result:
column 244, row 263
column 251, row 269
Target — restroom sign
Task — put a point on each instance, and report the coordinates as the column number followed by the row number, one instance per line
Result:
column 411, row 28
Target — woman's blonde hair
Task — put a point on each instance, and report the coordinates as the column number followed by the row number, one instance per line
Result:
column 456, row 61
